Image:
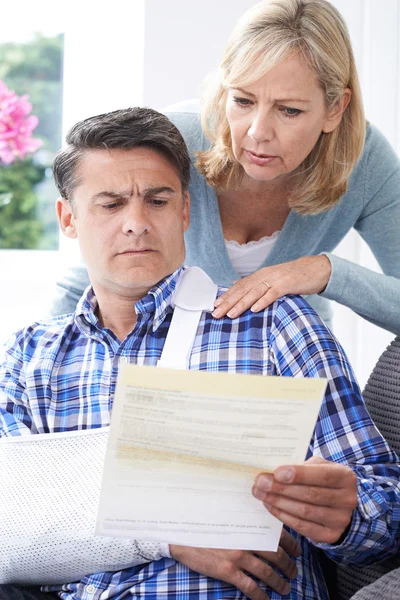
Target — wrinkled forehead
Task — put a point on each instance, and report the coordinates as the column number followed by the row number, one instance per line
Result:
column 138, row 156
column 139, row 164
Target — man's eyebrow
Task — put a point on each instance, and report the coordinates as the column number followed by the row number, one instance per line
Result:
column 151, row 191
column 110, row 194
column 154, row 191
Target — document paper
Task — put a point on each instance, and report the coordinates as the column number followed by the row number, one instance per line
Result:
column 184, row 450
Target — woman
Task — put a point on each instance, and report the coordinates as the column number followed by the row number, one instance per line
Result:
column 286, row 166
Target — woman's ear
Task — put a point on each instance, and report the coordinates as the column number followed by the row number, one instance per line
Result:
column 66, row 218
column 336, row 112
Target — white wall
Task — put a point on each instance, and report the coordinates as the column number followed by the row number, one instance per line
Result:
column 184, row 40
column 27, row 280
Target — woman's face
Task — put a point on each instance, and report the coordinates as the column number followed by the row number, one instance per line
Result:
column 276, row 121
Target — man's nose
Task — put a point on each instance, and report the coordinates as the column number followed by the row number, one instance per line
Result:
column 136, row 221
column 261, row 128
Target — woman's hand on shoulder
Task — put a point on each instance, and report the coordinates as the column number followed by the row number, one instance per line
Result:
column 306, row 275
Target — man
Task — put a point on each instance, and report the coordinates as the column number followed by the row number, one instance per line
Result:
column 123, row 182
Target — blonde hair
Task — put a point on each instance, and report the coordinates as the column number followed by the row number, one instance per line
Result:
column 265, row 35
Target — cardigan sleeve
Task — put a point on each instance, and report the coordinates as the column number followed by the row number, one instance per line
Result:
column 374, row 296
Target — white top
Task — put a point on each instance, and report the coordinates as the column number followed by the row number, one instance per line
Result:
column 247, row 258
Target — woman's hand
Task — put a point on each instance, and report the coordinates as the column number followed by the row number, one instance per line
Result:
column 234, row 566
column 306, row 275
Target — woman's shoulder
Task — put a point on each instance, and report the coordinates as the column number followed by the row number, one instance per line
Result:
column 186, row 116
column 378, row 151
column 376, row 165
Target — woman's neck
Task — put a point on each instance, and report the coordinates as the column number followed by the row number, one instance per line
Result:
column 255, row 210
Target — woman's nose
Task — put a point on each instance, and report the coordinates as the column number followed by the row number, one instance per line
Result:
column 261, row 129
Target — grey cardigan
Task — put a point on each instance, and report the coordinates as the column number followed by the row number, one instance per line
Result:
column 371, row 205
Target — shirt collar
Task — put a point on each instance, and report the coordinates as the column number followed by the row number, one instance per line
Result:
column 157, row 302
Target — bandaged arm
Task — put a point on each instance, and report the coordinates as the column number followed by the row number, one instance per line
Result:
column 50, row 485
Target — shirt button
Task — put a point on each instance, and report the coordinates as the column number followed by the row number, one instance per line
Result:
column 90, row 589
column 123, row 360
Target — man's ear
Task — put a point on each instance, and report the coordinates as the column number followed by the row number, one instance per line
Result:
column 336, row 112
column 66, row 217
column 186, row 211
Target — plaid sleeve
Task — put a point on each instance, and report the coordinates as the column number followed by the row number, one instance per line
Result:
column 302, row 346
column 15, row 414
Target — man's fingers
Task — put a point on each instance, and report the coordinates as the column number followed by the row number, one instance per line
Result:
column 327, row 474
column 249, row 587
column 316, row 460
column 316, row 532
column 264, row 572
column 234, row 567
column 289, row 544
column 334, row 518
column 280, row 560
column 312, row 495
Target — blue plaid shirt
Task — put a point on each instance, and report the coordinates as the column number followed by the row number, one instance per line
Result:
column 60, row 375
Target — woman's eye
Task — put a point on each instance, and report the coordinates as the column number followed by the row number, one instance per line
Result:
column 290, row 112
column 242, row 101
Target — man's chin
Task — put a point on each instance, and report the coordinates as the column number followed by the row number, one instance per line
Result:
column 139, row 278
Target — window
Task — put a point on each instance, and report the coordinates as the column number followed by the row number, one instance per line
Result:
column 27, row 220
column 30, row 64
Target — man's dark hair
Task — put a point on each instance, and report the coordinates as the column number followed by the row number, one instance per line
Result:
column 121, row 129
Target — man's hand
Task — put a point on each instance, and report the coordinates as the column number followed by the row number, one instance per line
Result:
column 232, row 566
column 316, row 499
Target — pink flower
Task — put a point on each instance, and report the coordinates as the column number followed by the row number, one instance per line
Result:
column 16, row 126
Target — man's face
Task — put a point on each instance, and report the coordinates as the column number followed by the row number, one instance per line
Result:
column 129, row 216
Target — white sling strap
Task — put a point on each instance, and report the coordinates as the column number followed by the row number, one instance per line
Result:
column 194, row 294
